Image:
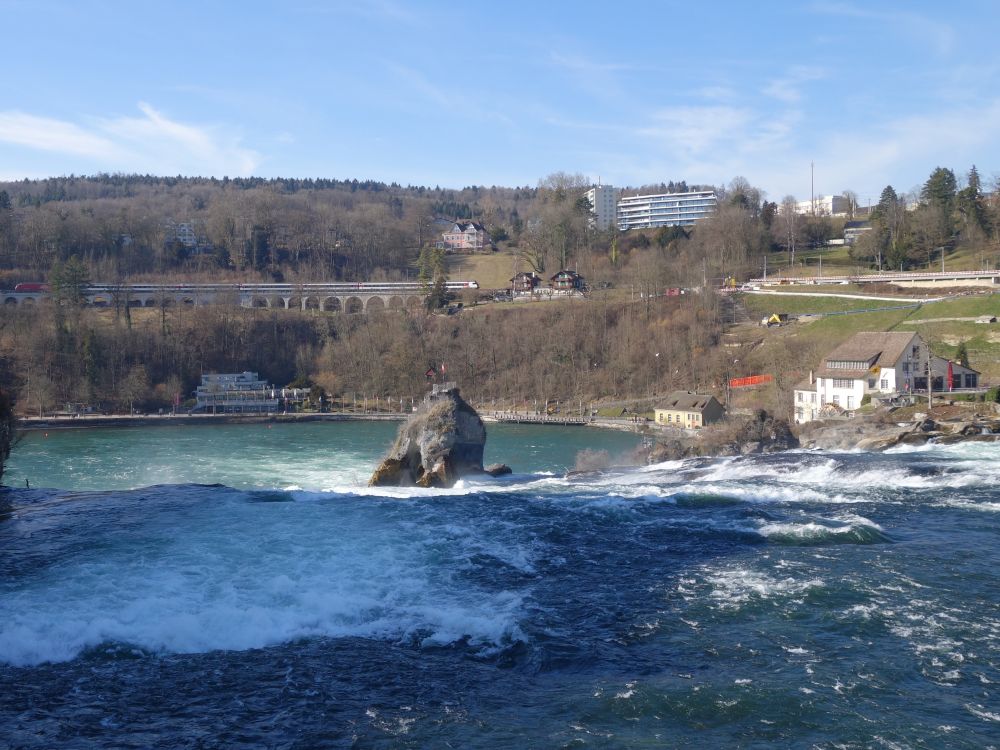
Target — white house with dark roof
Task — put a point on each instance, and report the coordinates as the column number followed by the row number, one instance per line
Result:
column 873, row 362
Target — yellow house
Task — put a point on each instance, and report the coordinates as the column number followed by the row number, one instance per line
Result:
column 688, row 410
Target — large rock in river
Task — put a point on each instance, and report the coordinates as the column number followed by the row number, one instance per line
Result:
column 441, row 442
column 759, row 433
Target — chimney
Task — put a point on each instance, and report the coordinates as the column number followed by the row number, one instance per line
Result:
column 810, row 377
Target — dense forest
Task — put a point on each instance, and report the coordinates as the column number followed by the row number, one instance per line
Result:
column 612, row 344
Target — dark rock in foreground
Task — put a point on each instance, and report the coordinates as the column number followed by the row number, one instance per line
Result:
column 498, row 470
column 440, row 443
column 761, row 433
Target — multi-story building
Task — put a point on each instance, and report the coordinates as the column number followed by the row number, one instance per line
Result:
column 603, row 199
column 466, row 236
column 854, row 229
column 877, row 363
column 242, row 392
column 665, row 210
column 186, row 234
column 824, row 205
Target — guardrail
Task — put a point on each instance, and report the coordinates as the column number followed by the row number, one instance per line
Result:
column 878, row 277
column 538, row 418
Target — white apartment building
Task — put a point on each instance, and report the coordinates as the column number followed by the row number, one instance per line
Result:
column 603, row 200
column 884, row 363
column 665, row 209
column 823, row 205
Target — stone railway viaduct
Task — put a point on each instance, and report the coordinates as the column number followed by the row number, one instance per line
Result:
column 334, row 297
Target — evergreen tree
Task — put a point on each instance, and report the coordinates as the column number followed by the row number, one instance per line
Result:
column 888, row 217
column 425, row 267
column 971, row 204
column 974, row 183
column 940, row 188
column 69, row 281
column 439, row 296
column 962, row 354
column 938, row 196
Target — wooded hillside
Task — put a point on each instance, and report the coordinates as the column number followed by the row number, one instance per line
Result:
column 624, row 340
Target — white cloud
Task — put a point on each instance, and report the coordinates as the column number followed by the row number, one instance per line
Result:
column 151, row 143
column 693, row 130
column 416, row 81
column 712, row 144
column 717, row 93
column 46, row 134
column 457, row 104
column 788, row 88
column 923, row 30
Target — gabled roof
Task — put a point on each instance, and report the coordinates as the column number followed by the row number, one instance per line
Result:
column 939, row 366
column 875, row 348
column 465, row 226
column 525, row 275
column 564, row 272
column 687, row 401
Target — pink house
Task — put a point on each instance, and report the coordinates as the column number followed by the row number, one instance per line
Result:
column 466, row 237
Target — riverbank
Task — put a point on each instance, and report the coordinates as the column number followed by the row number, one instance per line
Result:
column 173, row 420
column 168, row 420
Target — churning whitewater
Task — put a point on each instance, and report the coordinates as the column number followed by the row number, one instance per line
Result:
column 240, row 587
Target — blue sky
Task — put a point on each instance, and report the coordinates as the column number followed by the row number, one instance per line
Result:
column 455, row 94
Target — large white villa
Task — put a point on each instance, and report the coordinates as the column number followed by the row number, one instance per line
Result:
column 879, row 364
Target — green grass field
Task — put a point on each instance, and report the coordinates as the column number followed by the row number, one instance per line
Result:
column 837, row 260
column 944, row 336
column 760, row 305
column 492, row 271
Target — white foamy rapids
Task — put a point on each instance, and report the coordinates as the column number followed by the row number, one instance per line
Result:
column 732, row 588
column 982, row 507
column 262, row 574
column 833, row 473
column 848, row 527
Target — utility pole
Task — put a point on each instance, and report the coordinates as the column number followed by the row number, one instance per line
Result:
column 930, row 380
column 812, row 186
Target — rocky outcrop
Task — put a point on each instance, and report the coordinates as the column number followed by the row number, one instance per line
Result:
column 440, row 443
column 877, row 433
column 761, row 433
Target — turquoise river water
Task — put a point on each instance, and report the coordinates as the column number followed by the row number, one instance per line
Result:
column 241, row 587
